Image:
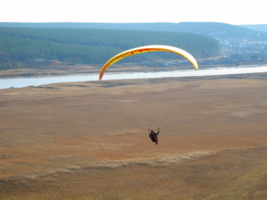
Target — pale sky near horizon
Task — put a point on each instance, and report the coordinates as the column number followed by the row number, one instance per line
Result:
column 235, row 12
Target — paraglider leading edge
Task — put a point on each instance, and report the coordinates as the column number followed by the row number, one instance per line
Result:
column 148, row 48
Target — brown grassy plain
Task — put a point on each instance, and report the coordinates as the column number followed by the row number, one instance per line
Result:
column 90, row 141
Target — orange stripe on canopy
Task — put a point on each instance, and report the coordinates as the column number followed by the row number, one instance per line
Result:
column 144, row 49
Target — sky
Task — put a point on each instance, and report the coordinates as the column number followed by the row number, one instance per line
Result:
column 236, row 12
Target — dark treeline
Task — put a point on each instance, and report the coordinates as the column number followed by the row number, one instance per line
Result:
column 94, row 46
column 211, row 29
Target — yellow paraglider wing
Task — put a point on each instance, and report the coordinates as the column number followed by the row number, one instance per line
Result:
column 144, row 49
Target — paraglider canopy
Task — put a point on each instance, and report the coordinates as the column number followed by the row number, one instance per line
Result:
column 144, row 49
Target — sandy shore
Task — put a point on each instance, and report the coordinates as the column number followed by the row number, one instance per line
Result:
column 90, row 141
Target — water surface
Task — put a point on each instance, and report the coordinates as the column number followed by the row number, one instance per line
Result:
column 37, row 81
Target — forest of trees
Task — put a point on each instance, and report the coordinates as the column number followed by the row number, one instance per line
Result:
column 211, row 29
column 93, row 46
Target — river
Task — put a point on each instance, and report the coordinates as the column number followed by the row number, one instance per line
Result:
column 37, row 81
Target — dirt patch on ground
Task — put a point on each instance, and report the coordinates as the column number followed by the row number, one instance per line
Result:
column 228, row 174
column 90, row 140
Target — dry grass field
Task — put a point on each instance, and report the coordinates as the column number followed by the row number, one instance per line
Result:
column 90, row 140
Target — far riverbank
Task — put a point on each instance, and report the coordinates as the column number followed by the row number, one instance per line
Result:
column 20, row 82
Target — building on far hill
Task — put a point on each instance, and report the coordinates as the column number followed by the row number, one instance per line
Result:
column 253, row 44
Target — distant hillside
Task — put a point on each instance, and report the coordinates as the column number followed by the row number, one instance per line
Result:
column 211, row 29
column 257, row 27
column 95, row 46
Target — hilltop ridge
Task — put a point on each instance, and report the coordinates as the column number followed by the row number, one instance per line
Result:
column 211, row 29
